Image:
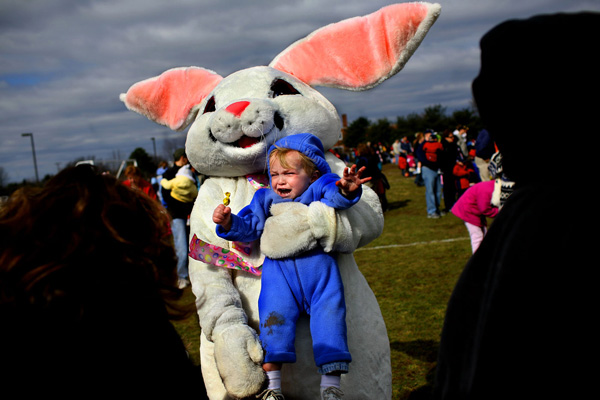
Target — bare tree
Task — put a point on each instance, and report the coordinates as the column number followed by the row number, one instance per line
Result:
column 170, row 144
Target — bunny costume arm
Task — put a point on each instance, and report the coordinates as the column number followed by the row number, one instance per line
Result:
column 356, row 226
column 229, row 338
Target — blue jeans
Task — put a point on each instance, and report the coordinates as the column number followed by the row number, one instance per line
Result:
column 180, row 240
column 341, row 367
column 433, row 190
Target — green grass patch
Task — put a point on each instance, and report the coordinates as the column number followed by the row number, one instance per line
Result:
column 412, row 268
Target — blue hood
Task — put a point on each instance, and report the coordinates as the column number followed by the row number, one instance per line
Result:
column 307, row 144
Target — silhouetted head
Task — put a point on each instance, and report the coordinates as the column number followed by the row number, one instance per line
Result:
column 538, row 82
column 80, row 231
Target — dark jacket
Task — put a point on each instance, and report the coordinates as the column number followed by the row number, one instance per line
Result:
column 484, row 145
column 520, row 321
column 449, row 155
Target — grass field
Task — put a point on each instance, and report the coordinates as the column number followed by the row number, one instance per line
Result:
column 412, row 268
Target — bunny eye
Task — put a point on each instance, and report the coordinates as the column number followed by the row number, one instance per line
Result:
column 279, row 87
column 210, row 105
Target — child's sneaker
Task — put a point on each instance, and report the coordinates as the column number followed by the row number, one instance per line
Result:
column 331, row 393
column 271, row 394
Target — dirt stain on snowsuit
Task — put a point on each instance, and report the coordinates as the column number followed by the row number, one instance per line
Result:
column 274, row 319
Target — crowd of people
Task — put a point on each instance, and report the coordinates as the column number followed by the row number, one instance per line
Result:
column 466, row 173
column 446, row 163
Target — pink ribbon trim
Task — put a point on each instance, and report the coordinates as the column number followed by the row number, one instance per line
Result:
column 220, row 257
column 258, row 181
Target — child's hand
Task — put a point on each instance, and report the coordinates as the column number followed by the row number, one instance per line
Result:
column 351, row 180
column 222, row 216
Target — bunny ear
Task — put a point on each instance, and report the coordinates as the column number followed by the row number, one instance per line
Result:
column 169, row 98
column 359, row 53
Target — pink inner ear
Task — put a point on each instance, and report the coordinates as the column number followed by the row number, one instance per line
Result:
column 359, row 52
column 168, row 99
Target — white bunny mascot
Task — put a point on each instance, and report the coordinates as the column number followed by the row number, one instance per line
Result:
column 233, row 121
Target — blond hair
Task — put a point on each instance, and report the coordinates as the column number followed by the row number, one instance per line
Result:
column 281, row 153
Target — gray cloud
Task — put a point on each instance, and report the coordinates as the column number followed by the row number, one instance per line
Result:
column 65, row 62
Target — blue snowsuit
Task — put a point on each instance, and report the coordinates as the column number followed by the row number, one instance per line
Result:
column 309, row 282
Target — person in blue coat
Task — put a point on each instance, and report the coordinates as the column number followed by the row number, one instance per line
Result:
column 305, row 283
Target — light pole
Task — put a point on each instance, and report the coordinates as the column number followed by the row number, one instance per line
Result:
column 154, row 145
column 37, row 178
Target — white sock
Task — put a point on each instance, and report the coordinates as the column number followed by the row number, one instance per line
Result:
column 274, row 378
column 330, row 380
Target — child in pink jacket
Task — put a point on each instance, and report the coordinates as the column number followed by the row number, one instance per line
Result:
column 473, row 207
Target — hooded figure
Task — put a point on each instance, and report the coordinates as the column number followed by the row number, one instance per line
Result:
column 307, row 283
column 520, row 320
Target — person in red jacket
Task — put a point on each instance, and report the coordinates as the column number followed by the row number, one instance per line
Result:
column 464, row 173
column 429, row 154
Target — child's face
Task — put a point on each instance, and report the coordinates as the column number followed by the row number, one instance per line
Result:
column 291, row 182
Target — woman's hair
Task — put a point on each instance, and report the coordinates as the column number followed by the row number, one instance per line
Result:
column 281, row 153
column 418, row 137
column 132, row 170
column 80, row 233
column 364, row 150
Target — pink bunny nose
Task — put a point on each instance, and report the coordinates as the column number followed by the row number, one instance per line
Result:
column 237, row 108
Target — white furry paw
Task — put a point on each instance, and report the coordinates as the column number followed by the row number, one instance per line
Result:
column 239, row 356
column 323, row 223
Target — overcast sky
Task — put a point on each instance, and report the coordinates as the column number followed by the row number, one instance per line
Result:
column 63, row 64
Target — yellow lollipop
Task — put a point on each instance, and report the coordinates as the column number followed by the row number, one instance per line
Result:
column 226, row 199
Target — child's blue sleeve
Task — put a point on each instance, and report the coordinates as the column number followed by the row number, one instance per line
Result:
column 249, row 223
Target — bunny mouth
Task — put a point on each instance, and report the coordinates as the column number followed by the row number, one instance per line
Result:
column 246, row 142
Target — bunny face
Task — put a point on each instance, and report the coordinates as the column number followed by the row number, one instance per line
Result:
column 235, row 120
column 247, row 112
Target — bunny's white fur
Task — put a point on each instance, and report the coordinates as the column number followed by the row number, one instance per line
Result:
column 233, row 122
column 227, row 299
